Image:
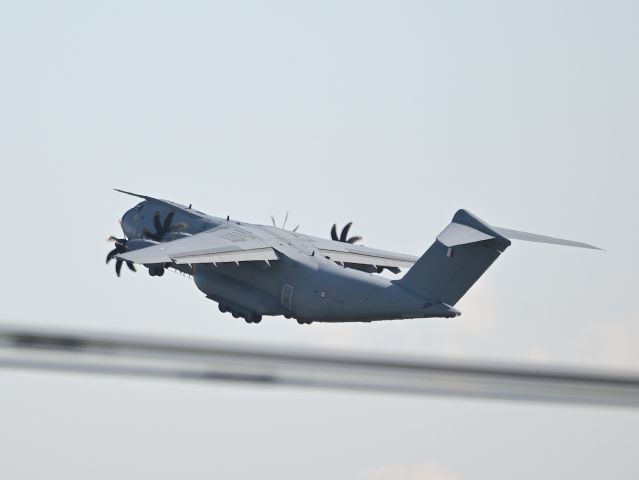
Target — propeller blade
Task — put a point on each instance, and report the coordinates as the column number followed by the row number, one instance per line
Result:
column 273, row 220
column 295, row 229
column 120, row 247
column 354, row 239
column 157, row 223
column 345, row 230
column 111, row 254
column 285, row 219
column 334, row 232
column 118, row 266
column 152, row 236
column 166, row 226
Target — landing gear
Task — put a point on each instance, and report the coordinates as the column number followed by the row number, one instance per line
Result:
column 253, row 318
column 156, row 271
column 301, row 321
column 249, row 318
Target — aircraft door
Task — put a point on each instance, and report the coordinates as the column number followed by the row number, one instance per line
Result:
column 287, row 296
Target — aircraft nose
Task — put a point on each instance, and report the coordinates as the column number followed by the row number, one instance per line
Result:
column 128, row 223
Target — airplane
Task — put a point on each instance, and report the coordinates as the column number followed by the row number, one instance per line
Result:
column 254, row 270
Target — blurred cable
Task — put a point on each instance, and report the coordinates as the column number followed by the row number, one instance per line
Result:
column 74, row 351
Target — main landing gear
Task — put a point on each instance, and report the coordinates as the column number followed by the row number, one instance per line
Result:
column 304, row 322
column 252, row 318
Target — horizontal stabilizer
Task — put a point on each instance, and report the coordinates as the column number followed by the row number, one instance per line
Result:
column 458, row 234
column 533, row 237
column 461, row 254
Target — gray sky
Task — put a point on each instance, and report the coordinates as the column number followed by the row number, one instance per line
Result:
column 390, row 114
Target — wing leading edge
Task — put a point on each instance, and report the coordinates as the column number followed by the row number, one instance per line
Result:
column 218, row 245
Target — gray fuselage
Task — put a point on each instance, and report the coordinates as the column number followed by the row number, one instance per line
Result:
column 300, row 284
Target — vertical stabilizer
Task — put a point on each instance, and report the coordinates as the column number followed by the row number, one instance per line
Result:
column 459, row 256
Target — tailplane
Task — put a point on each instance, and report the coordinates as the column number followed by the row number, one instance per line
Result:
column 461, row 254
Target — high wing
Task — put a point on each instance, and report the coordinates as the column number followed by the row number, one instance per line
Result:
column 226, row 243
column 343, row 252
column 167, row 203
column 233, row 243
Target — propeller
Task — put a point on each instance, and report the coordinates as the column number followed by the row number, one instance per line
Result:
column 343, row 237
column 163, row 228
column 284, row 223
column 120, row 247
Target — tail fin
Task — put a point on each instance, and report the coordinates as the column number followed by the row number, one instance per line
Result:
column 461, row 254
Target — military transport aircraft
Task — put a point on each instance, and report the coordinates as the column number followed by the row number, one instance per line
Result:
column 254, row 270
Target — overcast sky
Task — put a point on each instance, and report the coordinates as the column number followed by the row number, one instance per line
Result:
column 389, row 114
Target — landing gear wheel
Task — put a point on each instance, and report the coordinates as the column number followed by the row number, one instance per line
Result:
column 222, row 308
column 253, row 318
column 156, row 271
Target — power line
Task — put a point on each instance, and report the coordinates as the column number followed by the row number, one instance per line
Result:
column 83, row 352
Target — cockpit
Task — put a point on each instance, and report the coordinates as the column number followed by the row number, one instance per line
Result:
column 133, row 221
